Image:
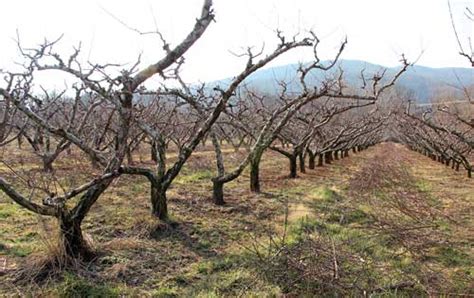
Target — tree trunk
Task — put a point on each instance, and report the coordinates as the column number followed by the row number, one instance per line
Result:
column 302, row 163
column 311, row 163
column 346, row 153
column 354, row 150
column 72, row 240
column 153, row 152
column 293, row 166
column 328, row 157
column 129, row 157
column 254, row 176
column 469, row 173
column 457, row 166
column 336, row 155
column 320, row 160
column 48, row 165
column 159, row 205
column 218, row 192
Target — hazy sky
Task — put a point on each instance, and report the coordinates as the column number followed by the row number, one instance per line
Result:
column 378, row 31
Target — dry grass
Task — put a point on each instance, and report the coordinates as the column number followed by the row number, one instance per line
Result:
column 202, row 254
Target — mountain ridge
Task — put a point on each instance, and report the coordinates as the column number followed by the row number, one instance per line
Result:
column 424, row 82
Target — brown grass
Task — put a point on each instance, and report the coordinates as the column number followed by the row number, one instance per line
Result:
column 140, row 256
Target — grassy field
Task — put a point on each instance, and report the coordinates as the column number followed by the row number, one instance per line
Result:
column 385, row 221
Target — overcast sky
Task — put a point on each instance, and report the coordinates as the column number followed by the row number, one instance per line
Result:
column 378, row 31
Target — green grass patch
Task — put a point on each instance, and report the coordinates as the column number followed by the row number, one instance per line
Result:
column 423, row 186
column 75, row 286
column 20, row 250
column 231, row 283
column 452, row 257
column 165, row 292
column 198, row 176
column 8, row 210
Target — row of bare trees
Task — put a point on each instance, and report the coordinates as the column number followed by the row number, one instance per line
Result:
column 444, row 131
column 108, row 114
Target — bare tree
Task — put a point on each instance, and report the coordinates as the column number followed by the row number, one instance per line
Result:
column 116, row 91
column 290, row 104
column 209, row 107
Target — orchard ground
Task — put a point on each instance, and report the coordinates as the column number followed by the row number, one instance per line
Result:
column 394, row 222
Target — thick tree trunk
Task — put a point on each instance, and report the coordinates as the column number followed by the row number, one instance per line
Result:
column 293, row 166
column 72, row 240
column 254, row 176
column 469, row 173
column 159, row 204
column 346, row 153
column 218, row 192
column 320, row 160
column 354, row 150
column 302, row 163
column 311, row 162
column 328, row 157
column 457, row 166
column 336, row 155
